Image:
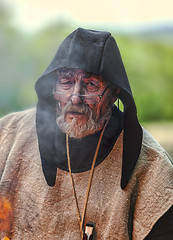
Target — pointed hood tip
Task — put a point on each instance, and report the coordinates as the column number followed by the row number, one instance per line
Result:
column 51, row 184
column 49, row 171
column 123, row 184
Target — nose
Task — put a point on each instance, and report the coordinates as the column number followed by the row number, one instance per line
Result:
column 75, row 97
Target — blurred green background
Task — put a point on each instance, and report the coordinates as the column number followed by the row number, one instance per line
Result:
column 147, row 53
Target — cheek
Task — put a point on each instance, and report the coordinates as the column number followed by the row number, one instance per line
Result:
column 96, row 109
column 92, row 106
column 62, row 104
column 102, row 107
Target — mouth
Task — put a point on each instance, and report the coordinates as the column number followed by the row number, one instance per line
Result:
column 78, row 115
column 75, row 114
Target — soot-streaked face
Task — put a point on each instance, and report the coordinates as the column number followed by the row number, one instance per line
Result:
column 84, row 102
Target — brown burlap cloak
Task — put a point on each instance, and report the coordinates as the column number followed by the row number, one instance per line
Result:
column 42, row 212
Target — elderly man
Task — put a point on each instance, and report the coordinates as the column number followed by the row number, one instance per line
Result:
column 78, row 167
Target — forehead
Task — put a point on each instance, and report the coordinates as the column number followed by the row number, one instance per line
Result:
column 73, row 73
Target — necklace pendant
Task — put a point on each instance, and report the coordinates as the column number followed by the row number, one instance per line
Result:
column 89, row 231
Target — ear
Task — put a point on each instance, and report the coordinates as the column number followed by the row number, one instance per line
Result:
column 117, row 92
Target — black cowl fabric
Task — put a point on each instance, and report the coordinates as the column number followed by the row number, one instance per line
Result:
column 95, row 52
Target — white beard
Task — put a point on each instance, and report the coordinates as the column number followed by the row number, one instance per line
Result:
column 80, row 130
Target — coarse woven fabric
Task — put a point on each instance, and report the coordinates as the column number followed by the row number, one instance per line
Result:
column 44, row 212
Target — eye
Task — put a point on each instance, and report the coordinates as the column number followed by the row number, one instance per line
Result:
column 66, row 84
column 91, row 86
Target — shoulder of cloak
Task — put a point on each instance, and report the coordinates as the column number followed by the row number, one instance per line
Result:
column 16, row 129
column 13, row 120
column 152, row 184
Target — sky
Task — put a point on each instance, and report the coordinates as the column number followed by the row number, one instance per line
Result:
column 33, row 14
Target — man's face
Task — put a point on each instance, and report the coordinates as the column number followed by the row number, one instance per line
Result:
column 84, row 102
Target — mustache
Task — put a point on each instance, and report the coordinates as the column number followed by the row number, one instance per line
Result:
column 82, row 108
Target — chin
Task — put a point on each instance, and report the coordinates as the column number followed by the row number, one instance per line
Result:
column 79, row 129
column 83, row 125
column 78, row 120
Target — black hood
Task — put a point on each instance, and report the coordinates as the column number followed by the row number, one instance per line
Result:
column 95, row 52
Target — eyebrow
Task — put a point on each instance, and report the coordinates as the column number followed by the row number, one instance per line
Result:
column 70, row 73
column 65, row 74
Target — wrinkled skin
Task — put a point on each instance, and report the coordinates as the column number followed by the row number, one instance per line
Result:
column 81, row 117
